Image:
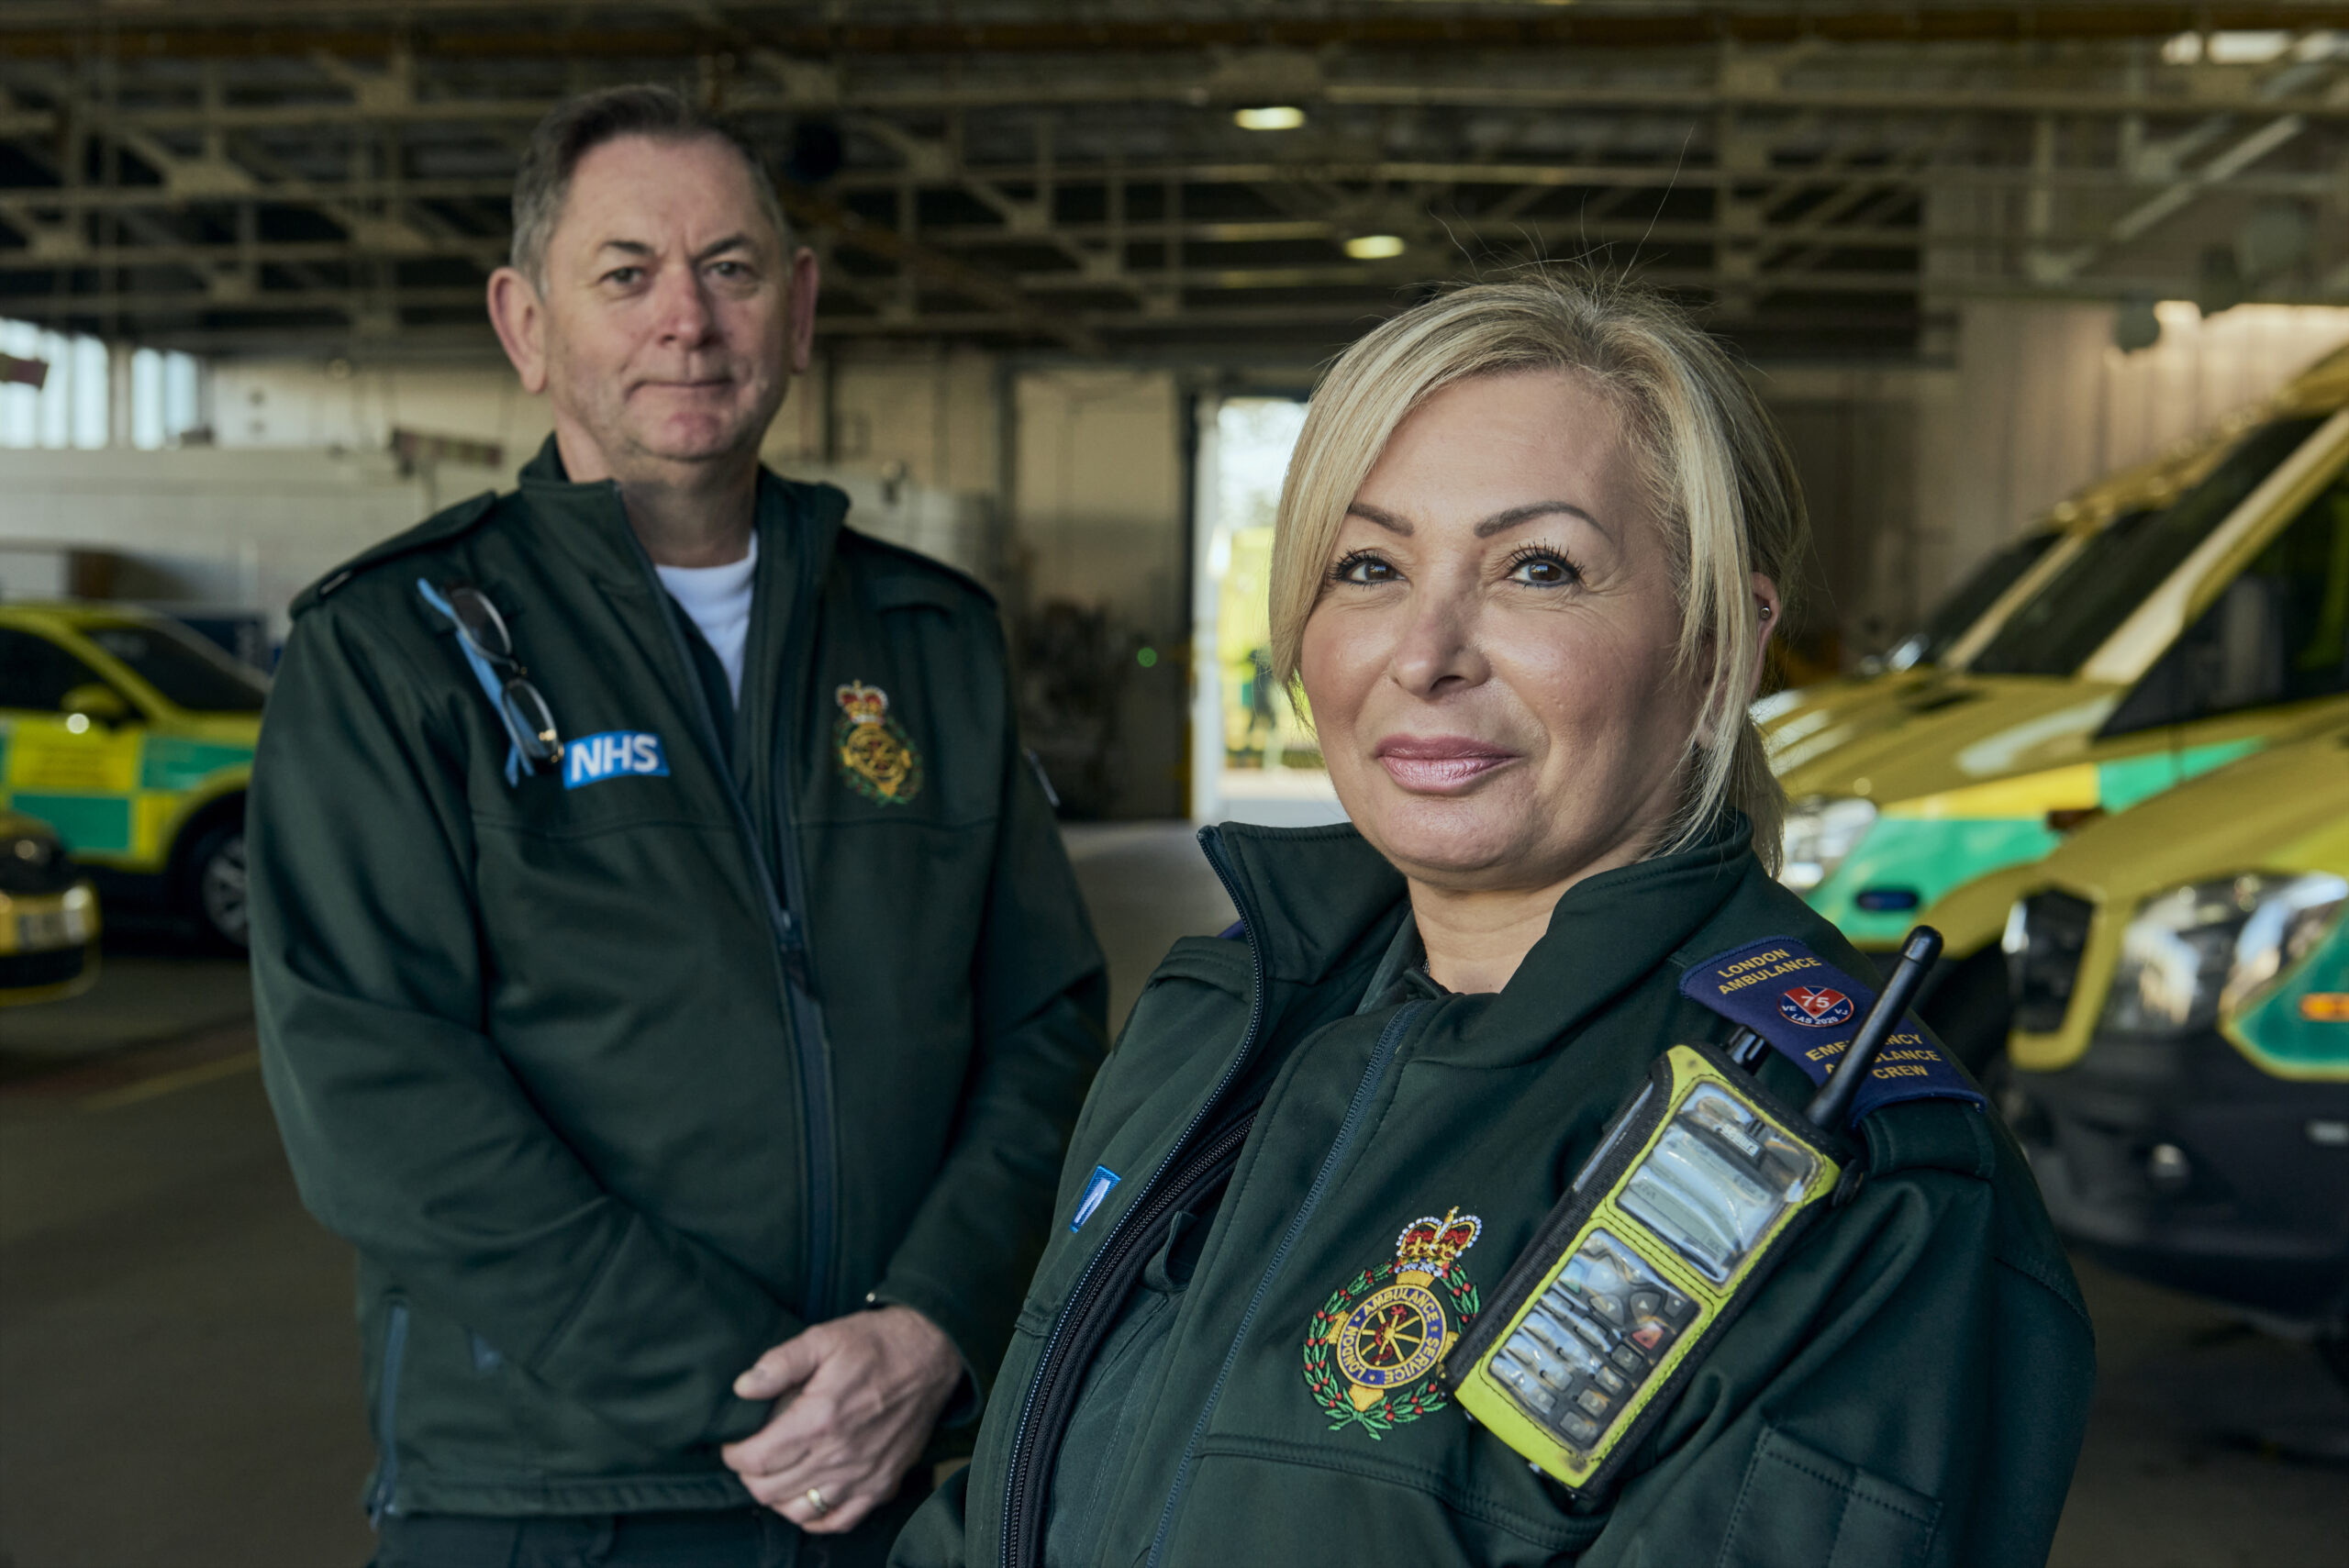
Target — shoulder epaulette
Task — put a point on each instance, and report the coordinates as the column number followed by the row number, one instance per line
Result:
column 449, row 523
column 930, row 584
column 1809, row 1010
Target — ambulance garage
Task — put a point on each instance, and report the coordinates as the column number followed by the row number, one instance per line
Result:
column 2048, row 306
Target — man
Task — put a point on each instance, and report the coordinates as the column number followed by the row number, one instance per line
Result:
column 669, row 977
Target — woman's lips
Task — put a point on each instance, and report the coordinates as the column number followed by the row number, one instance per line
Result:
column 1439, row 764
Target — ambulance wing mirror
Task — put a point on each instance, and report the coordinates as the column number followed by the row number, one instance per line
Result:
column 94, row 701
column 1834, row 1102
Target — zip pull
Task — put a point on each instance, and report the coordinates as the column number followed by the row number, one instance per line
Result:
column 792, row 940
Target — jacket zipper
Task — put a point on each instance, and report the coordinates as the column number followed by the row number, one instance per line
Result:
column 1106, row 1289
column 800, row 1012
column 387, row 1426
column 1357, row 1109
column 1023, row 1537
column 808, row 1018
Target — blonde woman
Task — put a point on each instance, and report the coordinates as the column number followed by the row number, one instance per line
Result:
column 1532, row 546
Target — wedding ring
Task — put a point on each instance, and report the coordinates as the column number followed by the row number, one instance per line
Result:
column 816, row 1501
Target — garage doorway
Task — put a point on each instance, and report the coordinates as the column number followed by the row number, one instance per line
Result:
column 1253, row 756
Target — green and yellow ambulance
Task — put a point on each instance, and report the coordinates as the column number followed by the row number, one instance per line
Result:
column 1809, row 721
column 2180, row 1057
column 2175, row 641
column 133, row 737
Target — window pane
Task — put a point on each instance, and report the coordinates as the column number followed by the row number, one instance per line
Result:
column 91, row 410
column 1976, row 593
column 2278, row 634
column 2088, row 600
column 19, row 405
column 183, row 395
column 57, row 394
column 36, row 674
column 189, row 671
column 146, row 399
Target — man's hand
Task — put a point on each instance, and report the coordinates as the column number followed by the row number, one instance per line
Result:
column 869, row 1388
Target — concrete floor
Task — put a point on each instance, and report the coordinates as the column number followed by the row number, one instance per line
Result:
column 179, row 1375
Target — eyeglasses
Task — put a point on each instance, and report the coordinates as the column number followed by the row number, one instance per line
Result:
column 530, row 723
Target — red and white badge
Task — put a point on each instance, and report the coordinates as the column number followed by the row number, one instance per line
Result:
column 1816, row 1008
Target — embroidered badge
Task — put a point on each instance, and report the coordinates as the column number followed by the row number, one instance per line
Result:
column 877, row 756
column 1809, row 1010
column 621, row 754
column 1816, row 1008
column 1372, row 1343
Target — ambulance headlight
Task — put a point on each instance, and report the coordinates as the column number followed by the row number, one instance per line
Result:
column 32, row 861
column 2197, row 951
column 1819, row 833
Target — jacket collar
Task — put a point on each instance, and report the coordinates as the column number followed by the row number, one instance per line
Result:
column 588, row 522
column 1322, row 904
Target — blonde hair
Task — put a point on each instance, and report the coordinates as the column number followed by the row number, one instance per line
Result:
column 1716, row 472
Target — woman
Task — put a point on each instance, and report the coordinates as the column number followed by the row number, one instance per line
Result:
column 1530, row 548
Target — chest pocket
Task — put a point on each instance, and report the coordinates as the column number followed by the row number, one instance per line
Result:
column 900, row 692
column 1799, row 1505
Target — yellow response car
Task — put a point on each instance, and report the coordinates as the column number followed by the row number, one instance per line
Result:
column 134, row 738
column 2176, row 641
column 2181, row 1052
column 49, row 915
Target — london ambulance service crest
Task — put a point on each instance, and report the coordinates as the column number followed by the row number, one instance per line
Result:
column 877, row 756
column 1370, row 1348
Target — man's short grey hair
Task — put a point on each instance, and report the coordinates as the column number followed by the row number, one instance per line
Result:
column 578, row 126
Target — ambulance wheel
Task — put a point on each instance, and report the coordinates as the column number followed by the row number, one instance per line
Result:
column 212, row 892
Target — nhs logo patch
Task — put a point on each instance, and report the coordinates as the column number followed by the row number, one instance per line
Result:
column 618, row 753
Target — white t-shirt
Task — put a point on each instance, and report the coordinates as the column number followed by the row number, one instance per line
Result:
column 718, row 599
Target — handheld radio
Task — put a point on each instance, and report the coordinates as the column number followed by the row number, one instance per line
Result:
column 1696, row 1190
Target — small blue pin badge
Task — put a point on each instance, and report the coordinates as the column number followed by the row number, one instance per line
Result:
column 1097, row 1187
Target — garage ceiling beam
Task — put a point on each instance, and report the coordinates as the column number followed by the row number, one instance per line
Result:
column 57, row 28
column 2320, row 185
column 1550, row 236
column 1077, row 181
column 1925, row 99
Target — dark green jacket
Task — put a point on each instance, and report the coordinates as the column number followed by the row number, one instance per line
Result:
column 1909, row 1388
column 614, row 1085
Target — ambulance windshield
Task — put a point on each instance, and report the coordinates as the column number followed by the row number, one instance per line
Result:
column 1966, row 603
column 2086, row 602
column 189, row 672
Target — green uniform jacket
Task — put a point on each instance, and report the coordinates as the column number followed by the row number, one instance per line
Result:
column 1911, row 1387
column 614, row 1085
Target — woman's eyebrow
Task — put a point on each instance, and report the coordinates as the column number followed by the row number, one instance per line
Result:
column 1499, row 521
column 1385, row 519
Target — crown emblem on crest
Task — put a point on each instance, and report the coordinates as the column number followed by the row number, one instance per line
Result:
column 863, row 704
column 877, row 756
column 1428, row 1247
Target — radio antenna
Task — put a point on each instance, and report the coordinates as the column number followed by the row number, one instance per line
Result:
column 1833, row 1101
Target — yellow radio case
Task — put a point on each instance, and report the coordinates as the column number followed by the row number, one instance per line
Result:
column 1695, row 1193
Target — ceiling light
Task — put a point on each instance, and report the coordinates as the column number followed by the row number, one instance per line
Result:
column 1273, row 117
column 1374, row 247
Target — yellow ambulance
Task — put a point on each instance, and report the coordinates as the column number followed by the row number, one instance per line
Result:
column 133, row 737
column 2180, row 1057
column 2175, row 641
